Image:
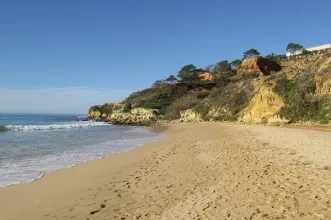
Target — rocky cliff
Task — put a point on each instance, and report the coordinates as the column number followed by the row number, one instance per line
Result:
column 257, row 65
column 95, row 112
column 138, row 116
column 206, row 76
column 323, row 84
column 190, row 116
column 120, row 114
column 300, row 91
column 263, row 108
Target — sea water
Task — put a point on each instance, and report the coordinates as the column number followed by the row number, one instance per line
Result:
column 33, row 144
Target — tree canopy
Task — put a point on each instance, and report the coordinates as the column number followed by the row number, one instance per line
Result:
column 159, row 83
column 189, row 73
column 235, row 63
column 306, row 52
column 171, row 79
column 210, row 68
column 222, row 66
column 251, row 53
column 292, row 47
column 275, row 57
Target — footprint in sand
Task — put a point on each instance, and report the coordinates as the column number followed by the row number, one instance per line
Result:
column 98, row 210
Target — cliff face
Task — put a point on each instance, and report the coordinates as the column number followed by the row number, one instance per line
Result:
column 259, row 65
column 95, row 112
column 323, row 84
column 115, row 113
column 263, row 108
column 101, row 111
column 301, row 91
column 190, row 116
column 206, row 76
column 138, row 116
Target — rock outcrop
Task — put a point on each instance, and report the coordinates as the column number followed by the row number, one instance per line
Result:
column 257, row 64
column 264, row 108
column 206, row 76
column 117, row 113
column 95, row 112
column 244, row 97
column 323, row 84
column 190, row 116
column 138, row 116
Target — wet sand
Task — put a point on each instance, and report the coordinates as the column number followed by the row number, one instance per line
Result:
column 199, row 171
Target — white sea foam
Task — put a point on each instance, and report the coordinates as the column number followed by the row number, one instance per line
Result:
column 26, row 169
column 82, row 124
column 138, row 130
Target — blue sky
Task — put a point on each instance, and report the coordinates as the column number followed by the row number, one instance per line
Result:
column 63, row 56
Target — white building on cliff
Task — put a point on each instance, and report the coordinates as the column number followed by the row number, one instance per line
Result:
column 317, row 48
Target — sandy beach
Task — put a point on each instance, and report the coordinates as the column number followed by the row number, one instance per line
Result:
column 199, row 171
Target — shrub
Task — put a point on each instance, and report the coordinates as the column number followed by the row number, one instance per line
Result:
column 183, row 103
column 285, row 88
column 239, row 108
column 216, row 92
column 202, row 109
column 117, row 107
column 306, row 52
column 94, row 108
column 161, row 105
column 226, row 118
column 103, row 109
column 222, row 81
column 127, row 107
column 107, row 109
column 267, row 84
column 306, row 83
column 202, row 95
column 300, row 102
column 153, row 104
column 234, row 96
column 324, row 121
column 251, row 75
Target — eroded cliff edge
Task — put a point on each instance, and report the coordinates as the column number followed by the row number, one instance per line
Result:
column 258, row 91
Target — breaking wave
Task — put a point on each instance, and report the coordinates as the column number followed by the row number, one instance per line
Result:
column 3, row 128
column 82, row 124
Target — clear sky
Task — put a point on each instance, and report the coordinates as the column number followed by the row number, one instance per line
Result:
column 63, row 56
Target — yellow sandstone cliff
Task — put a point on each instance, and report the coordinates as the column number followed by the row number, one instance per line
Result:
column 323, row 84
column 263, row 108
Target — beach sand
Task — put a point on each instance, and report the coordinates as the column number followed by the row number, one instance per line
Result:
column 199, row 171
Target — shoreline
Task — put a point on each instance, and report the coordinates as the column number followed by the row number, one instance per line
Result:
column 86, row 161
column 157, row 130
column 191, row 164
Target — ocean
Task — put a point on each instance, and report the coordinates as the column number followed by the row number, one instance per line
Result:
column 34, row 144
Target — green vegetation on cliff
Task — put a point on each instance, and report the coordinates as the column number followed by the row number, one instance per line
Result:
column 301, row 103
column 102, row 109
column 218, row 92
